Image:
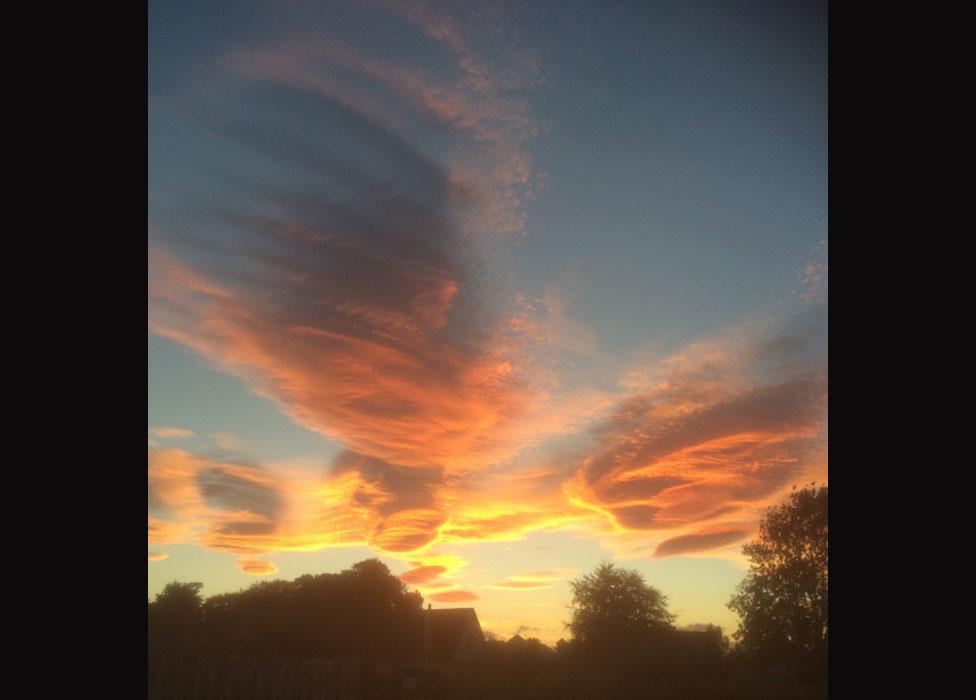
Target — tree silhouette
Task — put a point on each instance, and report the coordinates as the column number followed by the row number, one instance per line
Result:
column 177, row 610
column 363, row 612
column 783, row 599
column 612, row 599
column 618, row 618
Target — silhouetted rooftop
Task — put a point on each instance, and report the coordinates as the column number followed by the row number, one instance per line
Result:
column 447, row 629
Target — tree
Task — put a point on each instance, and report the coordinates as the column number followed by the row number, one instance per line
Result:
column 176, row 610
column 379, row 601
column 783, row 599
column 617, row 617
column 611, row 598
column 364, row 611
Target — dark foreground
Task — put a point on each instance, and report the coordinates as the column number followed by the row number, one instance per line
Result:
column 190, row 676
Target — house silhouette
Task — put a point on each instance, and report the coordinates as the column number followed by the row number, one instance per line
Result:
column 452, row 635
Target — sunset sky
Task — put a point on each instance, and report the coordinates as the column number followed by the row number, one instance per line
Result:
column 493, row 291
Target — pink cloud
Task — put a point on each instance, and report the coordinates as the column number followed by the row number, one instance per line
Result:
column 422, row 574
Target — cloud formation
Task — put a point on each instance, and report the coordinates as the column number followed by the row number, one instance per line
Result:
column 434, row 572
column 702, row 541
column 534, row 580
column 422, row 574
column 454, row 596
column 346, row 289
column 257, row 567
column 814, row 277
column 712, row 432
column 359, row 293
column 342, row 253
column 171, row 433
column 524, row 585
column 704, row 439
column 224, row 505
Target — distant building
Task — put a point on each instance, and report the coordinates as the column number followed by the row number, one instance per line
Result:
column 452, row 635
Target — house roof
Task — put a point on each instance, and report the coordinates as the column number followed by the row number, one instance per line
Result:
column 447, row 628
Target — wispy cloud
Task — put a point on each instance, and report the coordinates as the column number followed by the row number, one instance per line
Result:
column 520, row 585
column 534, row 580
column 705, row 439
column 171, row 433
column 225, row 504
column 359, row 294
column 702, row 541
column 454, row 596
column 814, row 277
column 227, row 441
column 347, row 262
column 718, row 427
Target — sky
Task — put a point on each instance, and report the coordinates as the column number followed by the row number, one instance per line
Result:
column 493, row 292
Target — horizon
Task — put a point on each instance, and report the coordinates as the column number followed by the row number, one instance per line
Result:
column 490, row 293
column 521, row 632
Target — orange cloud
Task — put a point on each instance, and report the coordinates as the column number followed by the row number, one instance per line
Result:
column 433, row 571
column 684, row 465
column 223, row 505
column 511, row 520
column 405, row 395
column 713, row 433
column 163, row 532
column 422, row 574
column 454, row 596
column 158, row 556
column 256, row 567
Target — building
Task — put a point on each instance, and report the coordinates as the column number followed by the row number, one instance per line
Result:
column 452, row 635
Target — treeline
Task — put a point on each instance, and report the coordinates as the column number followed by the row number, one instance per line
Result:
column 363, row 612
